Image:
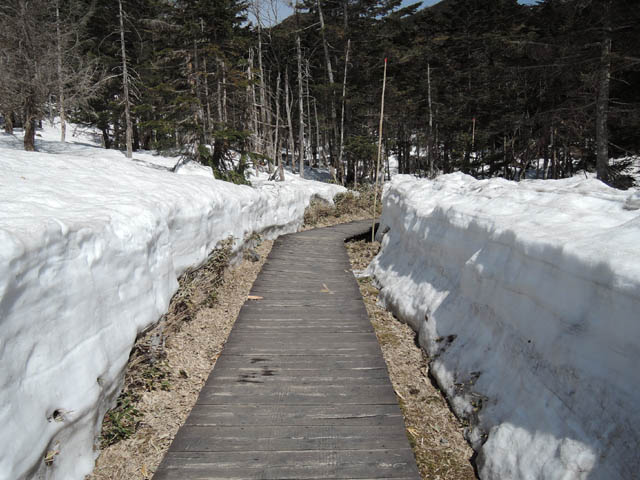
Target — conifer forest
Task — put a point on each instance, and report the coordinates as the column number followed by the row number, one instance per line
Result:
column 487, row 87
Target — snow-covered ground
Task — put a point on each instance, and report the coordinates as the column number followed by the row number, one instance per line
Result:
column 91, row 245
column 527, row 298
column 317, row 174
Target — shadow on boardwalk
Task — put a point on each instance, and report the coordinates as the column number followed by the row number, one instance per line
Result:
column 301, row 389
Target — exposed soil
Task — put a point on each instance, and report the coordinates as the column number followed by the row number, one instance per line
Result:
column 435, row 434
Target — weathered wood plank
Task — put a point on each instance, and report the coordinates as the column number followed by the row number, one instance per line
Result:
column 305, row 329
column 265, row 311
column 296, row 362
column 309, row 415
column 320, row 464
column 247, row 394
column 301, row 390
column 300, row 376
column 195, row 438
column 303, row 350
column 268, row 377
column 299, row 339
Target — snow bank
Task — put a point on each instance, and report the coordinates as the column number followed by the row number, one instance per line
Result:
column 91, row 245
column 527, row 298
column 319, row 177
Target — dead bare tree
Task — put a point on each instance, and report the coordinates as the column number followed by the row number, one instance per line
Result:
column 327, row 57
column 344, row 98
column 602, row 100
column 277, row 138
column 288, row 106
column 301, row 148
column 38, row 55
column 61, row 112
column 125, row 85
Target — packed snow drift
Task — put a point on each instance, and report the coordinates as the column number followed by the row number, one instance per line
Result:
column 91, row 245
column 526, row 296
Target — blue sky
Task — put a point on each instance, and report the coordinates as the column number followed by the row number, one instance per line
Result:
column 427, row 3
column 284, row 11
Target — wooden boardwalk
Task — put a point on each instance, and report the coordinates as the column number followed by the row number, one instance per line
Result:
column 301, row 390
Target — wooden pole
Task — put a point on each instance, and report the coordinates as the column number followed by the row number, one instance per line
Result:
column 375, row 190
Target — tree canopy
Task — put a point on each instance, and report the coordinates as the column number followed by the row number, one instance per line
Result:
column 487, row 87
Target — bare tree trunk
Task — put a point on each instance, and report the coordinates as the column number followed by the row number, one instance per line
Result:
column 207, row 99
column 319, row 145
column 554, row 156
column 29, row 135
column 219, row 90
column 225, row 118
column 289, row 121
column 263, row 101
column 200, row 117
column 375, row 191
column 602, row 103
column 8, row 122
column 355, row 172
column 277, row 139
column 125, row 86
column 311, row 151
column 430, row 142
column 301, row 110
column 344, row 97
column 63, row 119
column 251, row 94
column 327, row 57
column 29, row 128
column 325, row 45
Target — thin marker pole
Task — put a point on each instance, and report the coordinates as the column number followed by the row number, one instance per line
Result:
column 375, row 190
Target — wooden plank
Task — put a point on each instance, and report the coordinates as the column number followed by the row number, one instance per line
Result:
column 302, row 465
column 309, row 415
column 305, row 329
column 312, row 415
column 322, row 291
column 315, row 350
column 301, row 363
column 195, row 438
column 305, row 307
column 299, row 339
column 269, row 377
column 264, row 311
column 247, row 394
column 299, row 376
column 296, row 290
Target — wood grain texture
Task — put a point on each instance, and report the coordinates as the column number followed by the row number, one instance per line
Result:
column 301, row 390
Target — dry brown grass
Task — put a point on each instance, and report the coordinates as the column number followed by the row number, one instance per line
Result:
column 170, row 364
column 348, row 207
column 435, row 434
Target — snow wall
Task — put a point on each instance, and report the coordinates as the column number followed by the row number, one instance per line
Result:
column 91, row 246
column 526, row 296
